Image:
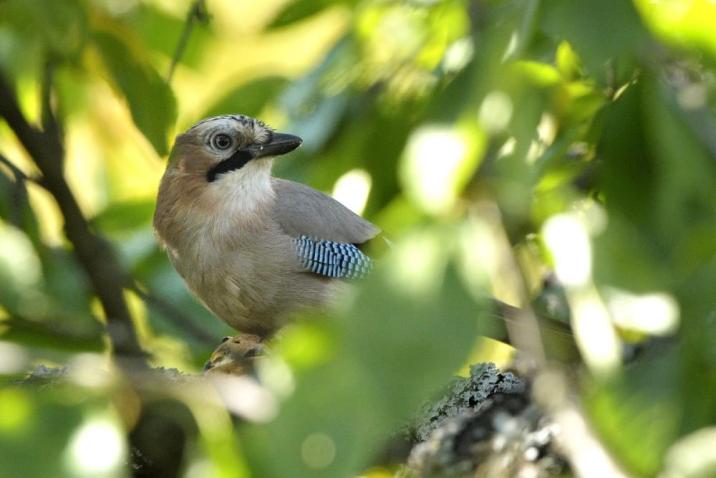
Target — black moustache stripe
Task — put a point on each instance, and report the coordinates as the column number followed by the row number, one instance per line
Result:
column 236, row 161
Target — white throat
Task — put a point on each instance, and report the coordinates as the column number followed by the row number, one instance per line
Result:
column 245, row 191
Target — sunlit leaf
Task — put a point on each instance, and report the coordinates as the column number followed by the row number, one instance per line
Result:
column 150, row 99
column 686, row 23
column 161, row 32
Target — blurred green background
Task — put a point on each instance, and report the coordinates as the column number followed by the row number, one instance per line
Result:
column 501, row 145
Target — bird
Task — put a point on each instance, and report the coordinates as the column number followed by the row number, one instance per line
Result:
column 253, row 248
column 235, row 355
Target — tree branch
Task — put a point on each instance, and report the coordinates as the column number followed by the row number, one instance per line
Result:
column 197, row 12
column 93, row 253
column 44, row 333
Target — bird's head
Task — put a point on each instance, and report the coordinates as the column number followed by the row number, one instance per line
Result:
column 218, row 146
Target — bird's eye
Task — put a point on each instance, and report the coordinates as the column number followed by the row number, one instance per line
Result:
column 221, row 141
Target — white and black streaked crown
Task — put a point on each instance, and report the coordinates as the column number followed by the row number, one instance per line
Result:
column 243, row 119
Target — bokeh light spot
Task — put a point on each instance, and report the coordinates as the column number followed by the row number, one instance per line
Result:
column 97, row 447
column 569, row 244
column 13, row 358
column 495, row 111
column 16, row 409
column 656, row 313
column 318, row 451
column 432, row 166
column 352, row 189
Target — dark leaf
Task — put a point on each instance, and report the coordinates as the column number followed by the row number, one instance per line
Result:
column 637, row 415
column 298, row 10
column 583, row 22
column 125, row 217
column 60, row 27
column 395, row 348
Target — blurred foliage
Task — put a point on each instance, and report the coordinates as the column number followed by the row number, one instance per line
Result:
column 500, row 144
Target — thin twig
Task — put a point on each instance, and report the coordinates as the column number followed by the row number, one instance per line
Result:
column 19, row 174
column 197, row 12
column 93, row 253
column 52, row 333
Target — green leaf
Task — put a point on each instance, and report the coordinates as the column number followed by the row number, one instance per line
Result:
column 67, row 287
column 638, row 414
column 160, row 31
column 406, row 334
column 15, row 207
column 686, row 178
column 660, row 189
column 698, row 379
column 150, row 99
column 125, row 217
column 429, row 330
column 59, row 26
column 627, row 257
column 299, row 10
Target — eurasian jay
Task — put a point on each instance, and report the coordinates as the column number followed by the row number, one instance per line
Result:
column 253, row 248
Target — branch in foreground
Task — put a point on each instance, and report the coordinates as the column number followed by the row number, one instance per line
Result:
column 486, row 425
column 93, row 253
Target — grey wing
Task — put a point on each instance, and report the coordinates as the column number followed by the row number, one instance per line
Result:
column 303, row 211
column 325, row 233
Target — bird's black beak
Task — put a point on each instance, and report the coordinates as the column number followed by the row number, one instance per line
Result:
column 281, row 143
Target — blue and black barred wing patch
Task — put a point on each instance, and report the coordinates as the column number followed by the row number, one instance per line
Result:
column 332, row 259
